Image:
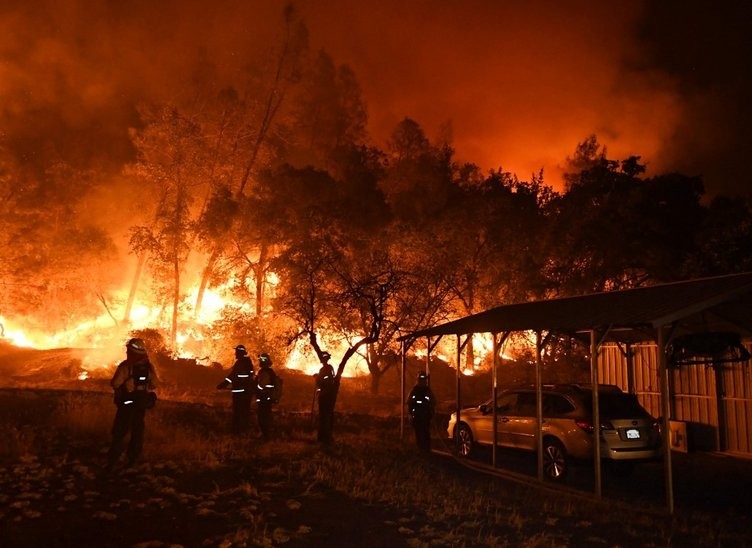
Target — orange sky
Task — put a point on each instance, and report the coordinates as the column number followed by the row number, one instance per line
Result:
column 524, row 82
column 521, row 82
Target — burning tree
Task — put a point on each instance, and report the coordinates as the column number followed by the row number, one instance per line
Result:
column 172, row 163
column 52, row 251
column 255, row 129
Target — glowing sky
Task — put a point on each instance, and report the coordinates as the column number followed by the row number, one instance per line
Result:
column 521, row 82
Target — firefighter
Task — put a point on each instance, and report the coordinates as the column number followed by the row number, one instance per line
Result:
column 134, row 381
column 421, row 404
column 240, row 381
column 266, row 383
column 327, row 385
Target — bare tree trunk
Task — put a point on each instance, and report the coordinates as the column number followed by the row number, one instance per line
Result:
column 470, row 354
column 103, row 300
column 208, row 269
column 273, row 103
column 260, row 273
column 175, row 302
column 376, row 376
column 470, row 350
column 134, row 287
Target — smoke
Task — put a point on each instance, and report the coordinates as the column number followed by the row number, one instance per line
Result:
column 524, row 82
column 521, row 82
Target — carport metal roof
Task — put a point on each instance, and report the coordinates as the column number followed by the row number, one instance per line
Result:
column 721, row 303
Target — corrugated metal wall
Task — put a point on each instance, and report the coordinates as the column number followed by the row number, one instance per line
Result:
column 737, row 407
column 695, row 395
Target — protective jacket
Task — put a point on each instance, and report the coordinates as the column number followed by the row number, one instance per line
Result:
column 240, row 379
column 133, row 380
column 421, row 402
column 327, row 385
column 266, row 380
column 326, row 381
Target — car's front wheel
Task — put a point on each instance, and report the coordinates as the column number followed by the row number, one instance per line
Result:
column 463, row 440
column 555, row 462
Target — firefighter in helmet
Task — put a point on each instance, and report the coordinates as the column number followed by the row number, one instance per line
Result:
column 266, row 383
column 134, row 381
column 421, row 404
column 240, row 382
column 327, row 386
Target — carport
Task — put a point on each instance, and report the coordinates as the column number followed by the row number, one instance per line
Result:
column 690, row 322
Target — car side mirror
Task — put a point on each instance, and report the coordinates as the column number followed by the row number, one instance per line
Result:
column 484, row 409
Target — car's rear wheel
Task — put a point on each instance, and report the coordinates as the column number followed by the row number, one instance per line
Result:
column 555, row 461
column 463, row 440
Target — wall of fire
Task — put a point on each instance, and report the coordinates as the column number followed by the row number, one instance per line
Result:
column 711, row 406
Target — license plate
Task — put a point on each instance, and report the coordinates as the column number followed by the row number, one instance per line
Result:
column 633, row 434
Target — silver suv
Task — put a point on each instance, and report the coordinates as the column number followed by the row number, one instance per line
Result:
column 628, row 433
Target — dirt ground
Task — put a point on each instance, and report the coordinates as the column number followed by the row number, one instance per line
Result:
column 368, row 489
column 200, row 486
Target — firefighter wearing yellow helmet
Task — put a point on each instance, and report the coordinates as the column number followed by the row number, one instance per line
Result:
column 268, row 387
column 240, row 382
column 133, row 382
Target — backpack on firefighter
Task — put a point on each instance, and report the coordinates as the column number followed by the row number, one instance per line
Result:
column 137, row 378
column 269, row 384
column 141, row 373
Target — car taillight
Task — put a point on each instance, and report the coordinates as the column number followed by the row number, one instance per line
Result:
column 587, row 426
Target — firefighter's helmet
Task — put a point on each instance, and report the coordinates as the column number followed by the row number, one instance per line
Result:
column 326, row 356
column 136, row 345
column 422, row 376
column 240, row 349
column 265, row 360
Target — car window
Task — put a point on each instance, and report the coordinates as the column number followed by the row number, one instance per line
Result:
column 526, row 406
column 505, row 403
column 618, row 406
column 555, row 405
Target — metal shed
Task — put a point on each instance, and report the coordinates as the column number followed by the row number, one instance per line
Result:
column 661, row 315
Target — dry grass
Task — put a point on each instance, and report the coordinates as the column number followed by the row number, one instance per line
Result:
column 425, row 500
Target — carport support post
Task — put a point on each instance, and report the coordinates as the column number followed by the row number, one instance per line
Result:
column 493, row 398
column 594, row 348
column 428, row 358
column 665, row 410
column 403, row 349
column 630, row 369
column 539, row 400
column 459, row 377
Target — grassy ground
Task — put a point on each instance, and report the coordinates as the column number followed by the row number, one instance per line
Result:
column 199, row 486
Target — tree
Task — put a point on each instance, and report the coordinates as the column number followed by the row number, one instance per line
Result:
column 257, row 123
column 723, row 240
column 171, row 160
column 53, row 256
column 327, row 286
column 329, row 115
column 419, row 178
column 486, row 243
column 415, row 297
column 613, row 229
